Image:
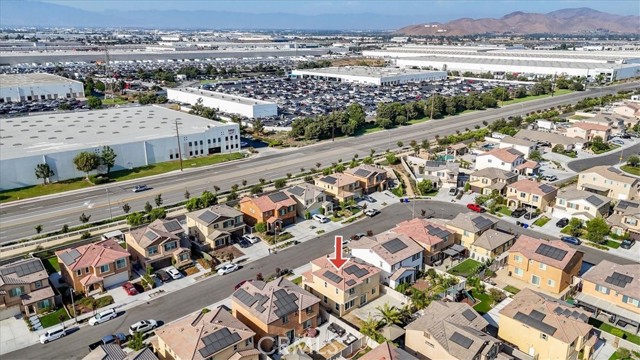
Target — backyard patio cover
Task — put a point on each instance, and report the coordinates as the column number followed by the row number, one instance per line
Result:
column 454, row 250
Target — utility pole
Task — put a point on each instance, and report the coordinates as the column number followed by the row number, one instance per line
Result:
column 433, row 96
column 73, row 305
column 178, row 138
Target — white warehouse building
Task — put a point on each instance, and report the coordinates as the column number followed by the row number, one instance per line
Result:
column 38, row 87
column 371, row 75
column 139, row 136
column 230, row 104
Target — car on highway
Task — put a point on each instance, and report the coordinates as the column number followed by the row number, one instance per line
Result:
column 252, row 238
column 142, row 326
column 228, row 269
column 518, row 213
column 453, row 191
column 53, row 333
column 571, row 240
column 476, row 208
column 562, row 222
column 103, row 316
column 371, row 212
column 627, row 243
column 129, row 289
column 320, row 218
column 139, row 188
column 163, row 276
column 173, row 272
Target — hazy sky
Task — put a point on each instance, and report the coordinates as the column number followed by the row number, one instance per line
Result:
column 432, row 10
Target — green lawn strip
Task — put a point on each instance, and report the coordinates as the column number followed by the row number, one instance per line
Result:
column 611, row 148
column 465, row 268
column 612, row 244
column 615, row 331
column 541, row 221
column 297, row 280
column 512, row 289
column 536, row 97
column 41, row 190
column 505, row 211
column 418, row 121
column 51, row 264
column 53, row 318
column 631, row 170
column 484, row 306
column 114, row 101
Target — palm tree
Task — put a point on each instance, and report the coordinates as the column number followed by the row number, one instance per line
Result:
column 389, row 314
column 369, row 326
column 419, row 299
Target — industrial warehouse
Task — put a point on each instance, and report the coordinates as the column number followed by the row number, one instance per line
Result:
column 140, row 136
column 371, row 75
column 38, row 87
column 226, row 103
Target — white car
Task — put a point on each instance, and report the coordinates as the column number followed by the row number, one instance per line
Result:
column 371, row 212
column 321, row 218
column 103, row 316
column 251, row 238
column 173, row 272
column 143, row 326
column 53, row 333
column 228, row 268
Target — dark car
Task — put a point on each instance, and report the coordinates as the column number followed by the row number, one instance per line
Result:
column 163, row 276
column 518, row 213
column 531, row 215
column 571, row 240
column 475, row 207
column 118, row 338
column 562, row 222
column 244, row 243
column 627, row 243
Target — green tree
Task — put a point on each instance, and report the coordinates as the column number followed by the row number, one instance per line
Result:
column 597, row 144
column 558, row 148
column 368, row 160
column 535, row 155
column 260, row 227
column 425, row 186
column 633, row 161
column 108, row 158
column 94, row 102
column 256, row 189
column 232, row 196
column 137, row 343
column 244, row 182
column 496, row 295
column 38, row 229
column 65, row 229
column 597, row 230
column 419, row 299
column 44, row 172
column 234, row 187
column 400, row 144
column 126, row 208
column 389, row 314
column 84, row 218
column 135, row 219
column 158, row 200
column 391, row 158
column 258, row 126
column 207, row 199
column 147, row 207
column 86, row 162
column 575, row 227
column 369, row 328
column 193, row 204
column 280, row 183
column 157, row 213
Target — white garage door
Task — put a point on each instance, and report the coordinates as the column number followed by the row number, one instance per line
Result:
column 115, row 280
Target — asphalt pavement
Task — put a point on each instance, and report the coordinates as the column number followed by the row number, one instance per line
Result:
column 19, row 219
column 178, row 304
column 610, row 158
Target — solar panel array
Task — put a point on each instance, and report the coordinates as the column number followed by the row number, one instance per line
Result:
column 351, row 282
column 481, row 222
column 537, row 315
column 285, row 303
column 244, row 297
column 277, row 197
column 469, row 315
column 151, row 235
column 217, row 341
column 70, row 256
column 434, row 164
column 23, row 269
column 568, row 313
column 329, row 179
column 618, row 279
column 358, row 272
column 546, row 188
column 172, row 226
column 394, row 245
column 332, row 276
column 208, row 216
column 594, row 200
column 362, row 172
column 437, row 232
column 262, row 299
column 296, row 190
column 551, row 252
column 615, row 170
column 626, row 204
column 461, row 340
column 536, row 324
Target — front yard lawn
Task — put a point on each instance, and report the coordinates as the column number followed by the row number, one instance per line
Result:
column 297, row 280
column 512, row 289
column 631, row 169
column 612, row 244
column 505, row 211
column 615, row 331
column 54, row 318
column 465, row 268
column 541, row 221
column 271, row 239
column 484, row 305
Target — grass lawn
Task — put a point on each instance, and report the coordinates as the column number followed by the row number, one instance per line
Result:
column 512, row 289
column 281, row 237
column 484, row 305
column 465, row 268
column 418, row 121
column 41, row 190
column 541, row 221
column 612, row 244
column 505, row 211
column 529, row 98
column 53, row 318
column 631, row 170
column 611, row 148
column 612, row 330
column 368, row 128
column 51, row 264
column 114, row 101
column 297, row 280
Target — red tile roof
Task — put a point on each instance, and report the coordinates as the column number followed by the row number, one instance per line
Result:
column 417, row 230
column 96, row 254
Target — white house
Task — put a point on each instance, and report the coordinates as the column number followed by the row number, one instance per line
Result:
column 309, row 198
column 399, row 257
column 508, row 159
column 545, row 125
column 524, row 146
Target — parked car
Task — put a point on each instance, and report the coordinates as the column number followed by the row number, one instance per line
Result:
column 371, row 212
column 368, row 198
column 475, row 207
column 550, row 178
column 252, row 238
column 453, row 191
column 617, row 142
column 53, row 333
column 118, row 338
column 103, row 316
column 321, row 218
column 531, row 215
column 143, row 326
column 244, row 243
column 562, row 222
column 139, row 188
column 129, row 289
column 238, row 285
column 162, row 275
column 174, row 273
column 627, row 243
column 571, row 240
column 358, row 236
column 227, row 269
column 518, row 213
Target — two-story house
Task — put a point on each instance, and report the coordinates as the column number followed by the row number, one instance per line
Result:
column 549, row 266
column 345, row 289
column 491, row 179
column 626, row 219
column 587, row 131
column 440, row 172
column 341, row 187
column 98, row 266
column 387, row 351
column 630, row 109
column 490, row 245
column 309, row 199
column 214, row 227
column 608, row 181
column 275, row 309
column 530, row 195
column 584, row 205
column 451, row 330
column 372, row 178
column 275, row 210
column 524, row 146
column 24, row 288
column 612, row 289
column 159, row 244
column 399, row 257
column 434, row 238
column 549, row 138
column 213, row 335
column 508, row 159
column 467, row 227
column 545, row 328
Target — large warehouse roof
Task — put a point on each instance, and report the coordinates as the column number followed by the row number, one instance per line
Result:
column 16, row 80
column 513, row 62
column 362, row 71
column 223, row 96
column 42, row 134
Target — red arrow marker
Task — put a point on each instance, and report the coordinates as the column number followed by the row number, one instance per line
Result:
column 338, row 261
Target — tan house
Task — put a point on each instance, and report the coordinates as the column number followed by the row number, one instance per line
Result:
column 215, row 335
column 629, row 109
column 469, row 226
column 342, row 187
column 275, row 210
column 25, row 288
column 354, row 285
column 277, row 309
column 491, row 179
column 626, row 219
column 491, row 244
column 387, row 351
column 98, row 266
column 588, row 131
column 545, row 328
column 530, row 195
column 159, row 244
column 372, row 178
column 547, row 265
column 450, row 330
column 434, row 238
column 214, row 227
column 552, row 139
column 309, row 199
column 614, row 290
column 584, row 205
column 608, row 181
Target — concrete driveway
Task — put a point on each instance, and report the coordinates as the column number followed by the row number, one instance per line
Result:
column 15, row 335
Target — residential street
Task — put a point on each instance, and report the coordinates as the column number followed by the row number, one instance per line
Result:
column 610, row 158
column 174, row 305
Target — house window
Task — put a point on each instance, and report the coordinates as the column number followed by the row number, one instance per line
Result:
column 306, row 324
column 536, row 198
column 285, row 319
column 309, row 310
column 79, row 272
column 120, row 263
column 602, row 289
column 248, row 342
column 349, row 304
column 629, row 300
column 17, row 291
column 37, row 284
column 366, row 281
column 535, row 280
column 551, row 283
column 363, row 299
column 337, row 307
column 542, row 266
column 184, row 256
column 518, row 272
column 543, row 336
column 336, row 290
column 44, row 304
column 352, row 291
column 561, row 201
column 235, row 347
column 517, row 258
column 152, row 250
column 415, row 257
column 170, row 246
column 324, row 299
column 373, row 291
column 325, row 284
column 523, row 195
column 104, row 268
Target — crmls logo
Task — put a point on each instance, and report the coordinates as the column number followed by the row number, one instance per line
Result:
column 282, row 345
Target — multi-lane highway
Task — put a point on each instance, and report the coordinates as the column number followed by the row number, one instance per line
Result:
column 182, row 302
column 52, row 212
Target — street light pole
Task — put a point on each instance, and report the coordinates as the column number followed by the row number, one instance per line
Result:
column 73, row 305
column 109, row 201
column 179, row 150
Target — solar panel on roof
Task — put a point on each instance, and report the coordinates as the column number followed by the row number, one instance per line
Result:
column 358, row 272
column 469, row 315
column 332, row 276
column 262, row 299
column 217, row 341
column 546, row 188
column 584, row 317
column 394, row 245
column 362, row 172
column 437, row 232
column 150, row 235
column 536, row 324
column 551, row 252
column 296, row 190
column 70, row 256
column 626, row 204
column 351, row 282
column 615, row 170
column 172, row 226
column 537, row 315
column 244, row 297
column 24, row 268
column 481, row 222
column 461, row 340
column 618, row 279
column 594, row 200
column 557, row 310
column 277, row 197
column 329, row 179
column 285, row 303
column 208, row 217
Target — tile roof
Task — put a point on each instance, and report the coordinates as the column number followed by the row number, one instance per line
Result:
column 590, row 126
column 529, row 164
column 517, row 141
column 156, row 232
column 387, row 351
column 472, row 222
column 266, row 202
column 391, row 247
column 575, row 194
column 352, row 274
column 531, row 249
column 213, row 214
column 365, row 170
column 304, row 192
column 533, row 187
column 492, row 239
column 610, row 173
column 494, row 173
column 423, row 231
column 37, row 295
column 24, row 271
column 190, row 336
column 508, row 155
column 553, row 138
column 92, row 255
column 604, row 274
column 555, row 318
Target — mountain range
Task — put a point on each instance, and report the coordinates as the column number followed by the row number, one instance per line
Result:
column 565, row 21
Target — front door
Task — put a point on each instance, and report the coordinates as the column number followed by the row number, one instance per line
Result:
column 290, row 335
